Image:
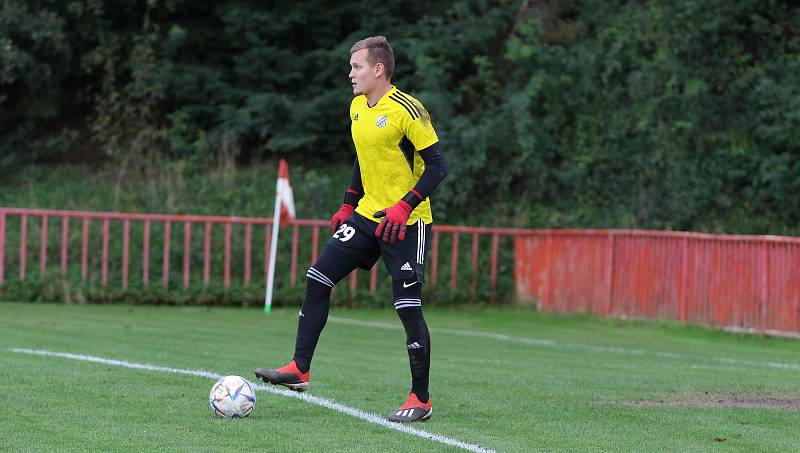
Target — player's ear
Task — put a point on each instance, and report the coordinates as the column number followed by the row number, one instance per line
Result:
column 379, row 70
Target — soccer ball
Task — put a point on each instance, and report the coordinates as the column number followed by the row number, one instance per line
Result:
column 232, row 397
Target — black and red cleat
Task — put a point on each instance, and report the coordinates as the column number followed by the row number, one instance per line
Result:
column 412, row 411
column 287, row 376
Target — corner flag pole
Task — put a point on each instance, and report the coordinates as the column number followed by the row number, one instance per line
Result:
column 273, row 251
column 284, row 211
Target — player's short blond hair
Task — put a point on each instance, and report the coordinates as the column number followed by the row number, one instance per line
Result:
column 379, row 52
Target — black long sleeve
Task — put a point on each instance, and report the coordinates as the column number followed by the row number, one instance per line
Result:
column 436, row 168
column 355, row 179
column 356, row 189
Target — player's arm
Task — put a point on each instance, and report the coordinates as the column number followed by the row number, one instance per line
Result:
column 351, row 198
column 393, row 224
column 435, row 170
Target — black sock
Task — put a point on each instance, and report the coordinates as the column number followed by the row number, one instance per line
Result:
column 332, row 265
column 418, row 343
column 311, row 321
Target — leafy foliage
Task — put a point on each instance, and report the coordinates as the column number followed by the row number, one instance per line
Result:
column 556, row 113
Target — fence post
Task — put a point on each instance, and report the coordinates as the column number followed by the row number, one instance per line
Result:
column 187, row 241
column 85, row 248
column 454, row 261
column 248, row 237
column 165, row 256
column 23, row 245
column 206, row 254
column 43, row 247
column 126, row 238
column 373, row 278
column 314, row 244
column 146, row 254
column 64, row 244
column 227, row 270
column 104, row 258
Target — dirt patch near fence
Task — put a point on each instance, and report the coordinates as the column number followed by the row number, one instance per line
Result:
column 742, row 400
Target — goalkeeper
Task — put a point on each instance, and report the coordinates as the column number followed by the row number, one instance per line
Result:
column 386, row 212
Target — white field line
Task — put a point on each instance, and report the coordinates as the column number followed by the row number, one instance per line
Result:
column 330, row 404
column 551, row 343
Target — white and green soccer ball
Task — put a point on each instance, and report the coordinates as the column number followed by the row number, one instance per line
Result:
column 232, row 397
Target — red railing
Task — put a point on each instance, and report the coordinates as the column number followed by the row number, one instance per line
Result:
column 744, row 281
column 751, row 282
column 88, row 245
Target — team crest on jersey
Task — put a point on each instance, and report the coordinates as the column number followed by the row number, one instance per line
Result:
column 382, row 120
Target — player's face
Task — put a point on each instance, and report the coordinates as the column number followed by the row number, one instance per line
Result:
column 362, row 75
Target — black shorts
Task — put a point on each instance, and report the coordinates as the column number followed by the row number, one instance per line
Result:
column 404, row 259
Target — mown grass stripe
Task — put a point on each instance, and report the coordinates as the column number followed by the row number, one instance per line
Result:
column 550, row 343
column 357, row 413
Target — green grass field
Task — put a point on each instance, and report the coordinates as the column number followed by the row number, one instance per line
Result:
column 503, row 379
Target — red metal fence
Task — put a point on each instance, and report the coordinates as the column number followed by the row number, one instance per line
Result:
column 727, row 280
column 104, row 247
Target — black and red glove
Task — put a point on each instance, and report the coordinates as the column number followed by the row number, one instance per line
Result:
column 393, row 222
column 349, row 204
column 341, row 215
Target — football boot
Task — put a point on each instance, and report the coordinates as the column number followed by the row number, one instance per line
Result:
column 412, row 411
column 287, row 376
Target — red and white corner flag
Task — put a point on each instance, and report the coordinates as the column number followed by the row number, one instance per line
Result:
column 282, row 215
column 284, row 194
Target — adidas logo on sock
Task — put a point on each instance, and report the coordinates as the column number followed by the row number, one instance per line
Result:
column 414, row 345
column 406, row 267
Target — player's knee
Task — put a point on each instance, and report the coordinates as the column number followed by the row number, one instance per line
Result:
column 317, row 283
column 407, row 294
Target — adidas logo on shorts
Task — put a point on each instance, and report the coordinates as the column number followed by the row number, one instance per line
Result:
column 406, row 267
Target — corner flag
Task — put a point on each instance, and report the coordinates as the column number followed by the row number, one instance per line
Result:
column 284, row 194
column 283, row 214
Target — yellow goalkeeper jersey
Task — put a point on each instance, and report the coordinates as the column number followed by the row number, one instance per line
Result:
column 387, row 137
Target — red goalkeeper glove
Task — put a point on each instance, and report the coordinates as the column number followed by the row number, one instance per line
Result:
column 393, row 222
column 341, row 215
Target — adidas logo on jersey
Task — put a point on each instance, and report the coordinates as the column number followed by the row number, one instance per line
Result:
column 355, row 118
column 414, row 345
column 406, row 267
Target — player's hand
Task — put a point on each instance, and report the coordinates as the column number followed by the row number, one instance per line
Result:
column 341, row 215
column 393, row 222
